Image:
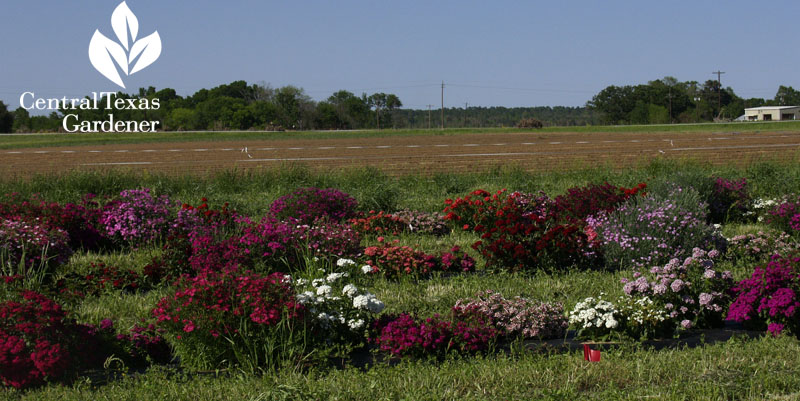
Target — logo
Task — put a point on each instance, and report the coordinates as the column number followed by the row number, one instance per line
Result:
column 104, row 52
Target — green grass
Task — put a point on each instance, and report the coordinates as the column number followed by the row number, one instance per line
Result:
column 76, row 139
column 761, row 368
column 736, row 370
column 251, row 192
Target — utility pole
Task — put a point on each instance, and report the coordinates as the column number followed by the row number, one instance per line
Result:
column 670, row 104
column 442, row 126
column 466, row 106
column 429, row 115
column 719, row 90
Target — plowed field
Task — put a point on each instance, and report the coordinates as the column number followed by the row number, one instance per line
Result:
column 402, row 154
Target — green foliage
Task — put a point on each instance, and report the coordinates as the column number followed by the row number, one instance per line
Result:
column 668, row 100
column 6, row 119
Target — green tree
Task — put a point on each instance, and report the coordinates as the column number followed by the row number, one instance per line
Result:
column 381, row 101
column 6, row 119
column 615, row 103
column 22, row 120
column 181, row 119
column 787, row 96
column 353, row 111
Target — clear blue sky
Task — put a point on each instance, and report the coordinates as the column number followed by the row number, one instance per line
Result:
column 505, row 53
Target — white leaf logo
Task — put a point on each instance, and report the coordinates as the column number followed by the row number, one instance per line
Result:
column 104, row 52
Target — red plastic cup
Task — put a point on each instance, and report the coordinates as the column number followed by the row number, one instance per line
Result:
column 590, row 355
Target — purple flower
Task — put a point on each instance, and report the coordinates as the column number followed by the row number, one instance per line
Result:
column 775, row 329
column 686, row 324
column 677, row 285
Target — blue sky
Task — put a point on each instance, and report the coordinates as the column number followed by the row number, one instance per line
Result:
column 504, row 53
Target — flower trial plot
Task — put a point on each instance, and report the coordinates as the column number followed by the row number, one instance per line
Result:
column 317, row 278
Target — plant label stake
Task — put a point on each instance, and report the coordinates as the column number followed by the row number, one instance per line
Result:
column 590, row 355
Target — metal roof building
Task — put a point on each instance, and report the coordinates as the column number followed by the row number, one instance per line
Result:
column 772, row 113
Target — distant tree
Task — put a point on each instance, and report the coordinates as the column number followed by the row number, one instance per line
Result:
column 22, row 120
column 293, row 105
column 181, row 119
column 327, row 117
column 614, row 102
column 787, row 96
column 6, row 119
column 382, row 101
column 712, row 93
column 353, row 111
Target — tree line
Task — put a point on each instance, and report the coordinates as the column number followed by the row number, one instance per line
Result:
column 242, row 106
column 668, row 100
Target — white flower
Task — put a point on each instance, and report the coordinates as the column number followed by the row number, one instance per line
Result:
column 350, row 290
column 301, row 281
column 367, row 269
column 375, row 305
column 305, row 297
column 335, row 276
column 369, row 302
column 324, row 290
column 355, row 324
column 345, row 262
column 317, row 282
column 611, row 323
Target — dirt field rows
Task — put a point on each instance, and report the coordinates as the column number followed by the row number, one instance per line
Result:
column 400, row 154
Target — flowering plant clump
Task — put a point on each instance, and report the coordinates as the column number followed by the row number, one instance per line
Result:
column 581, row 202
column 517, row 317
column 30, row 249
column 760, row 246
column 595, row 318
column 38, row 343
column 786, row 215
column 769, row 297
column 309, row 204
column 100, row 278
column 80, row 221
column 651, row 230
column 761, row 207
column 456, row 260
column 405, row 335
column 693, row 293
column 383, row 223
column 137, row 217
column 340, row 310
column 730, row 200
column 513, row 237
column 643, row 318
column 393, row 260
column 423, row 222
column 141, row 345
column 379, row 223
column 329, row 238
column 220, row 317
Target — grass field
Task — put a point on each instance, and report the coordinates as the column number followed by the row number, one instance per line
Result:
column 76, row 139
column 746, row 369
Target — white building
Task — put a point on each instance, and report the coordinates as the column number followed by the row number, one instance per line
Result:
column 772, row 113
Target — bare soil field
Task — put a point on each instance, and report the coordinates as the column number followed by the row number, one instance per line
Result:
column 426, row 154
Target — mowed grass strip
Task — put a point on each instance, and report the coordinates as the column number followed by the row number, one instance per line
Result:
column 758, row 369
column 76, row 139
